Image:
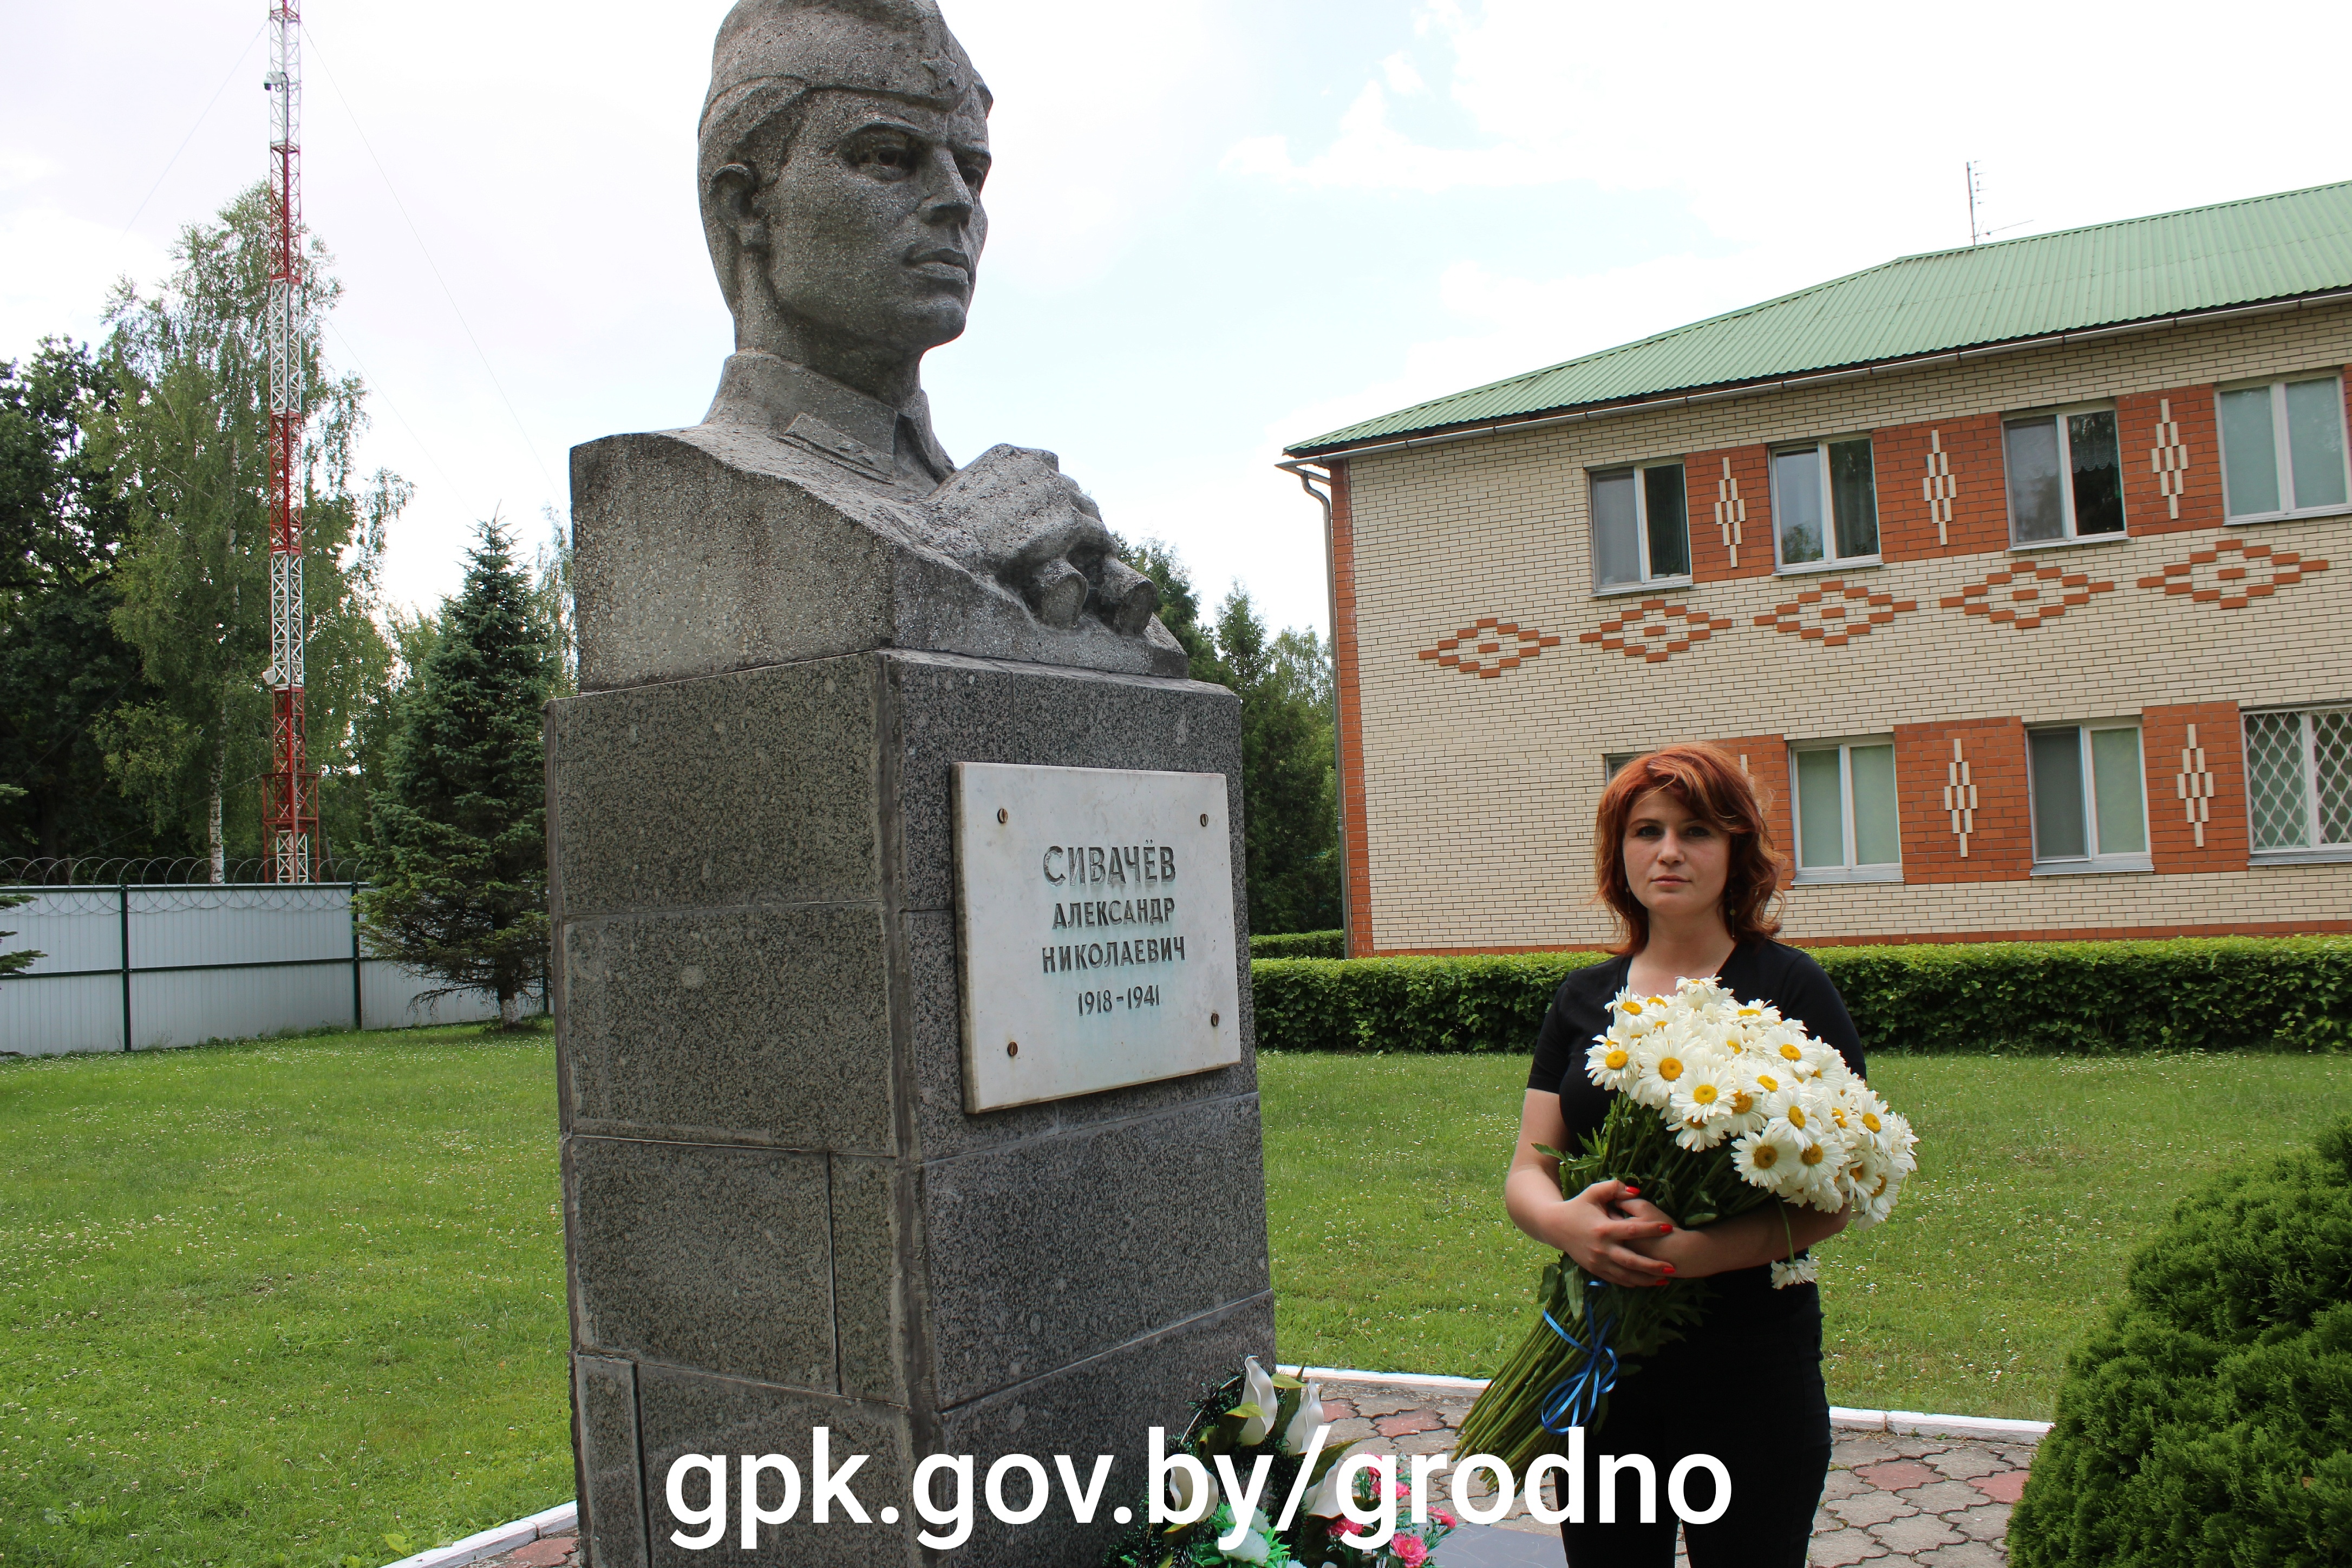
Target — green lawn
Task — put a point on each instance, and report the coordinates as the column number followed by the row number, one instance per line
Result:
column 2039, row 1177
column 297, row 1302
column 270, row 1304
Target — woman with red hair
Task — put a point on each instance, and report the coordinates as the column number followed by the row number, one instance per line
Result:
column 1683, row 856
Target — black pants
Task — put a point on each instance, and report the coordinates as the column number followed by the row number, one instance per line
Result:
column 1768, row 1424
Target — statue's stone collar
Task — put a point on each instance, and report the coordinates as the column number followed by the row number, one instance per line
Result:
column 798, row 405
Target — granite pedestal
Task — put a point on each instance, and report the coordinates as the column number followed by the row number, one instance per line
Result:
column 778, row 1215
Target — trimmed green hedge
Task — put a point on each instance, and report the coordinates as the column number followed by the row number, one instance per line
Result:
column 1301, row 944
column 2030, row 997
column 2208, row 1423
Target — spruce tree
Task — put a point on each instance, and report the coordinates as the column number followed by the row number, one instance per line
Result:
column 459, row 854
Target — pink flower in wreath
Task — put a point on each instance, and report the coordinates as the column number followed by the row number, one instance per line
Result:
column 1409, row 1550
column 1439, row 1516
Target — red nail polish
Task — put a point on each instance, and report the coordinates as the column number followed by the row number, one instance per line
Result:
column 1670, row 1269
column 1663, row 1229
column 1633, row 1189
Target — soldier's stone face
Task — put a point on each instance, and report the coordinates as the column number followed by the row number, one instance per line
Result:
column 875, row 222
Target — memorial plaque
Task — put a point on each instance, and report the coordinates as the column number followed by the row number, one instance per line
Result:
column 1095, row 911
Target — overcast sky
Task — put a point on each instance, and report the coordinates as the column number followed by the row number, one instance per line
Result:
column 1217, row 226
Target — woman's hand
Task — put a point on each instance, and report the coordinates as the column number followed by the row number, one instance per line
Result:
column 1597, row 1230
column 1753, row 1239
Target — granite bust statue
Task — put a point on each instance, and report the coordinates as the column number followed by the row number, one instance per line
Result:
column 843, row 150
column 841, row 156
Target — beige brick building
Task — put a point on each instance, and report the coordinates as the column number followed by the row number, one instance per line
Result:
column 2020, row 576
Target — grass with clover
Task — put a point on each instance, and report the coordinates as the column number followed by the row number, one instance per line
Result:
column 2038, row 1178
column 286, row 1302
column 299, row 1302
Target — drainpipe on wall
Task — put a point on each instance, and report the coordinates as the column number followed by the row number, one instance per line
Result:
column 1306, row 475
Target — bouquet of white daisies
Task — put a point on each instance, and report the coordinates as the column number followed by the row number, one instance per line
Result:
column 1725, row 1106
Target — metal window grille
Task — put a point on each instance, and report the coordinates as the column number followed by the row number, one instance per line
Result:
column 2299, row 779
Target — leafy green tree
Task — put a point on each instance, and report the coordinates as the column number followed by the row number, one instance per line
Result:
column 188, row 442
column 459, row 852
column 1180, row 605
column 62, row 664
column 1292, row 831
column 1289, row 786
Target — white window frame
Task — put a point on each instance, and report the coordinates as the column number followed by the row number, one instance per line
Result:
column 1649, row 583
column 2072, row 538
column 1852, row 872
column 2316, row 852
column 2092, row 863
column 2282, row 451
column 1830, row 560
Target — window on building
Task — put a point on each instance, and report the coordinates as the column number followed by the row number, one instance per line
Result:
column 2065, row 476
column 1824, row 503
column 2299, row 782
column 2090, row 799
column 1612, row 760
column 1641, row 525
column 1847, row 825
column 2282, row 449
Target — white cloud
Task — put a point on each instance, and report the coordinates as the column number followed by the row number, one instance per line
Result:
column 1370, row 155
column 1403, row 75
column 19, row 168
column 60, row 270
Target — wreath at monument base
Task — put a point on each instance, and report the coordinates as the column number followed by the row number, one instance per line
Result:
column 1249, row 1418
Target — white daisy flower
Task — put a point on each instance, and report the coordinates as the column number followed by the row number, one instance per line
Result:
column 1610, row 1063
column 1768, row 1158
column 1803, row 1272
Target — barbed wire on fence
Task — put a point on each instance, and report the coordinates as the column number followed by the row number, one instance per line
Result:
column 186, row 871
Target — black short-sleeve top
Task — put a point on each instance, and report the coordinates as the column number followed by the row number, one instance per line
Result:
column 1746, row 1311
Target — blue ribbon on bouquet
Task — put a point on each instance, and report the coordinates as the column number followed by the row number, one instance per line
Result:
column 1576, row 1398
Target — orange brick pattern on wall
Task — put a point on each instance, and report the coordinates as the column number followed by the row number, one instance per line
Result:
column 1940, row 489
column 1963, row 801
column 1731, row 513
column 1447, row 534
column 2172, row 460
column 1347, row 679
column 2195, row 756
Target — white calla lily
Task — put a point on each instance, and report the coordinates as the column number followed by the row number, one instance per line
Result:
column 1301, row 1430
column 1326, row 1499
column 1257, row 1389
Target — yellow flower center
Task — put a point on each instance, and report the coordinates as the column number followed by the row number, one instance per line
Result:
column 1796, row 1116
column 1764, row 1156
column 1837, row 1115
column 1769, row 1082
column 1870, row 1119
column 1704, row 1094
column 1789, row 1053
column 1742, row 1102
column 1694, row 1123
column 1670, row 1069
column 1632, row 1007
column 1751, row 1012
column 1813, row 1154
column 1617, row 1059
column 1880, row 1188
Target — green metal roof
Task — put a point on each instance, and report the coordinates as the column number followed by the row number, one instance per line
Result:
column 2237, row 253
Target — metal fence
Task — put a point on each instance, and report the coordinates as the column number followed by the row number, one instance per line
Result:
column 134, row 966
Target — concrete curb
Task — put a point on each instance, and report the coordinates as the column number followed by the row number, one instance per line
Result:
column 490, row 1542
column 1912, row 1423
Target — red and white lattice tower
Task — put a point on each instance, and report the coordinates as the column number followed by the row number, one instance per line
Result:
column 290, row 797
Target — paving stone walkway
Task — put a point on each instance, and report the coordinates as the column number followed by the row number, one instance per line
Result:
column 1891, row 1500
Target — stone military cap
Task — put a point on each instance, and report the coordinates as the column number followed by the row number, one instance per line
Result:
column 770, row 52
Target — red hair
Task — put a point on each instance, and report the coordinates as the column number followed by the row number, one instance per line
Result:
column 1715, row 788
